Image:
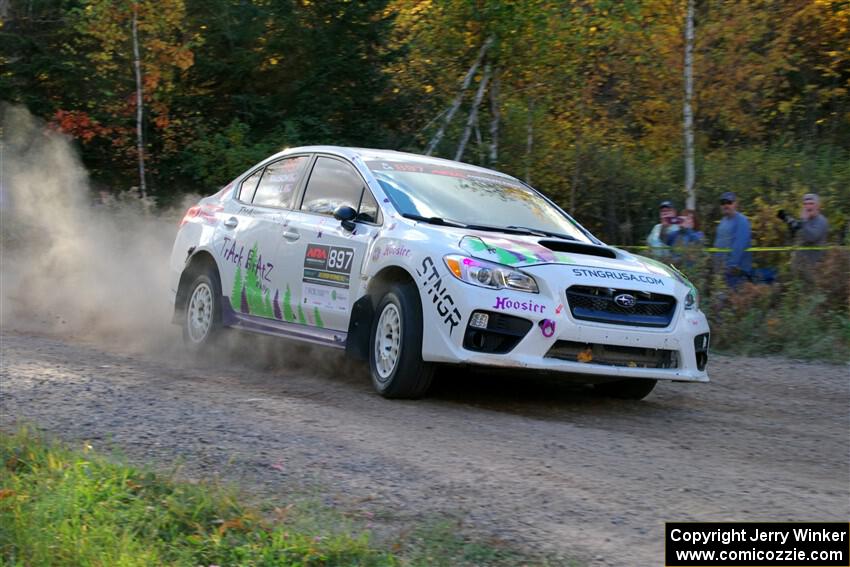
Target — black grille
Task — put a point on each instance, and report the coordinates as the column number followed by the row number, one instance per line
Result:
column 597, row 304
column 612, row 355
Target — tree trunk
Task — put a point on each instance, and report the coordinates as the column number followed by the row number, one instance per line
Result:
column 459, row 98
column 690, row 174
column 494, row 120
column 479, row 142
column 574, row 184
column 529, row 141
column 139, row 133
column 473, row 113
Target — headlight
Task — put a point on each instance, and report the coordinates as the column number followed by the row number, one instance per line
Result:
column 489, row 275
column 692, row 300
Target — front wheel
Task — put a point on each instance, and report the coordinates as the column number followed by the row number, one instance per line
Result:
column 395, row 346
column 202, row 313
column 636, row 389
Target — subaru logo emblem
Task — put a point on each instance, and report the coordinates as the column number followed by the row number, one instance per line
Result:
column 625, row 300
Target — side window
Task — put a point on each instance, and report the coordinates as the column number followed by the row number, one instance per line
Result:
column 277, row 187
column 246, row 190
column 331, row 185
column 369, row 211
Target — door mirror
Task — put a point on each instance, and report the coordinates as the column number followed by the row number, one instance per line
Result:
column 346, row 215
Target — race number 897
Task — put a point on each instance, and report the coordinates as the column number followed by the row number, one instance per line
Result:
column 340, row 259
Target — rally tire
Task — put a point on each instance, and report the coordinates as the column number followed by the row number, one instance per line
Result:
column 395, row 345
column 636, row 389
column 202, row 311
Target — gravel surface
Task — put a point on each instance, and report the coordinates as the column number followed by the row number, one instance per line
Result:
column 527, row 460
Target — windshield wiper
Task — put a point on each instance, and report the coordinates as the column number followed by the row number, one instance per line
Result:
column 541, row 232
column 434, row 220
column 512, row 229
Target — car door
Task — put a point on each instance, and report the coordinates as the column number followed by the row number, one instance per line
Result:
column 327, row 255
column 251, row 278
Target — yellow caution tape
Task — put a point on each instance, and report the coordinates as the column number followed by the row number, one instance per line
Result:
column 754, row 249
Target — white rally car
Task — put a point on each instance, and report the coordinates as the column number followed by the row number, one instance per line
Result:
column 411, row 261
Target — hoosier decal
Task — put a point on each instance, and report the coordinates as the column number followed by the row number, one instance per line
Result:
column 503, row 303
column 439, row 294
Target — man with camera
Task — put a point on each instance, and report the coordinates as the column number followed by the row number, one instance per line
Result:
column 809, row 230
column 660, row 236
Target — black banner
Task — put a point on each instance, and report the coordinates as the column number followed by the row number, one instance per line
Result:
column 757, row 544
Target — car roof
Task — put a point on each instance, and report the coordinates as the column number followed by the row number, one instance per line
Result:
column 372, row 154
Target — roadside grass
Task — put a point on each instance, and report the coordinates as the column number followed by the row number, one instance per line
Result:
column 65, row 507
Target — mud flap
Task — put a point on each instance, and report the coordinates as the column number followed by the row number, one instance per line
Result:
column 359, row 326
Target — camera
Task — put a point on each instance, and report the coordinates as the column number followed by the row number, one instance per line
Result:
column 793, row 224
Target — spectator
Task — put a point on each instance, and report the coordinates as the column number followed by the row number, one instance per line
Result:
column 733, row 232
column 662, row 232
column 810, row 230
column 686, row 241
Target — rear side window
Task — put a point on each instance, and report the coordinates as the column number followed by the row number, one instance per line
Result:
column 246, row 190
column 279, row 181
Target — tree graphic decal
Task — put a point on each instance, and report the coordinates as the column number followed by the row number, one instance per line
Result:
column 253, row 289
column 288, row 314
column 267, row 305
column 236, row 294
column 243, row 305
column 319, row 322
column 276, row 305
column 301, row 317
column 258, row 297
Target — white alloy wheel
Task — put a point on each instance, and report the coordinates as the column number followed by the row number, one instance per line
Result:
column 388, row 341
column 200, row 313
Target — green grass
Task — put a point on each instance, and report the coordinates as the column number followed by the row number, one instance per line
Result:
column 60, row 506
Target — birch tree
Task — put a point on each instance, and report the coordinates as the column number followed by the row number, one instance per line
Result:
column 139, row 103
column 688, row 112
column 473, row 112
column 455, row 105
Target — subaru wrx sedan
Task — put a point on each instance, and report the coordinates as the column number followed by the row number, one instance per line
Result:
column 411, row 262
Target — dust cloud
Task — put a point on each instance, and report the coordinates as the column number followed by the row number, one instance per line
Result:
column 75, row 265
column 72, row 264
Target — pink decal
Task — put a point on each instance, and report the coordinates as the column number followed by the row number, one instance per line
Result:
column 558, row 309
column 547, row 327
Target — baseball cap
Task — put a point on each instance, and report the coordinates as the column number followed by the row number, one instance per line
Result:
column 729, row 196
column 811, row 197
column 666, row 205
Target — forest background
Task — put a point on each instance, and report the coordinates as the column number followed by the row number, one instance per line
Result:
column 583, row 99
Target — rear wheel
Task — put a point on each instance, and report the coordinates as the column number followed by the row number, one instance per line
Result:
column 636, row 389
column 202, row 313
column 395, row 346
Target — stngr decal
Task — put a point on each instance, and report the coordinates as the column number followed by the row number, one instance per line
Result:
column 435, row 289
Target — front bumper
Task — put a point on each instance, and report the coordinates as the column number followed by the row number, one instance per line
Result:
column 552, row 327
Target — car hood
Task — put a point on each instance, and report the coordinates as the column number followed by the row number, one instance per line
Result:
column 526, row 251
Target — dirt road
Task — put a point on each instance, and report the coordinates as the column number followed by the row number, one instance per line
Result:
column 527, row 460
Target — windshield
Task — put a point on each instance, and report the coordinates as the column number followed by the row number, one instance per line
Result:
column 470, row 197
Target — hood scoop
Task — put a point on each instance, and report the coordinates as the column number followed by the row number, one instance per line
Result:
column 579, row 248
